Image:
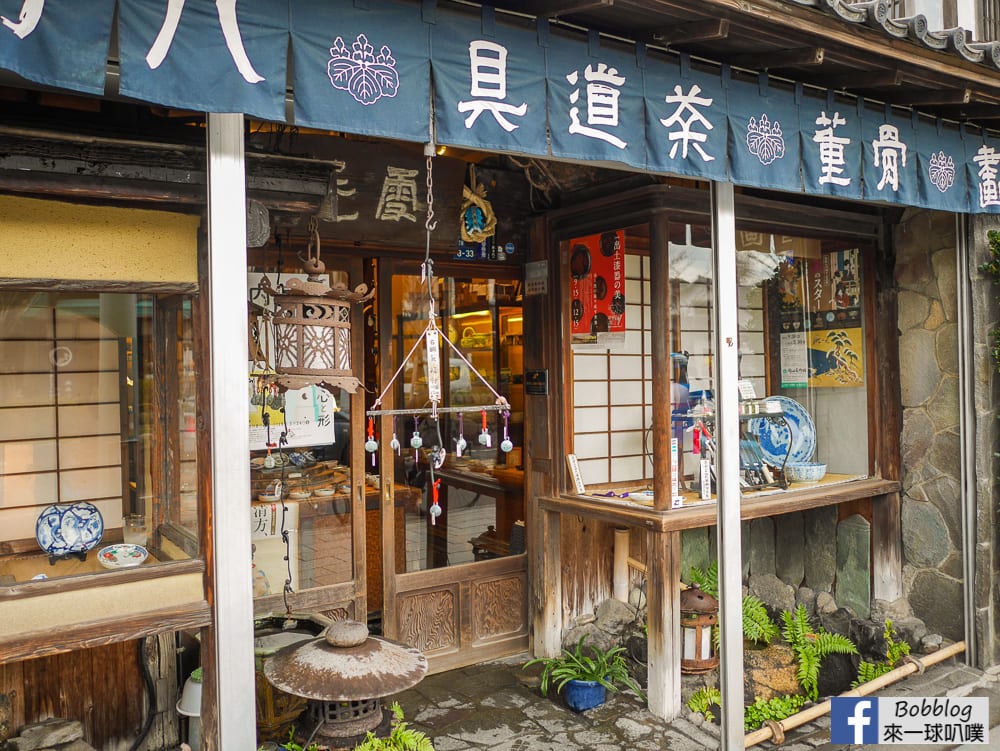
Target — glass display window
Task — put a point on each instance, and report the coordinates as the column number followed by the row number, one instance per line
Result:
column 98, row 432
column 804, row 364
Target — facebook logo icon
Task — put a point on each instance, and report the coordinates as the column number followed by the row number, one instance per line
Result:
column 853, row 720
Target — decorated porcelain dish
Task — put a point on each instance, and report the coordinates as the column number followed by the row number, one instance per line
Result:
column 775, row 434
column 68, row 529
column 122, row 555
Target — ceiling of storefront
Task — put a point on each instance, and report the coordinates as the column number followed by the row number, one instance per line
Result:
column 846, row 46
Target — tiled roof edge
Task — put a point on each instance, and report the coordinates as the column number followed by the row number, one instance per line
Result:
column 875, row 14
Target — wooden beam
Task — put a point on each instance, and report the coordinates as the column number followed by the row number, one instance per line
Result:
column 864, row 79
column 792, row 58
column 555, row 8
column 933, row 96
column 693, row 31
column 980, row 111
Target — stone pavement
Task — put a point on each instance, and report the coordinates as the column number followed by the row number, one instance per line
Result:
column 497, row 705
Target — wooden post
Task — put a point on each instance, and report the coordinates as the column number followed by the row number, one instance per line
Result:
column 663, row 621
column 546, row 557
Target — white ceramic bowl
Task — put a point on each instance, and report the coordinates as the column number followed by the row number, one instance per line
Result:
column 122, row 555
column 805, row 471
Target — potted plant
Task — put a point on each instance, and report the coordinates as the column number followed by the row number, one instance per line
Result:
column 586, row 673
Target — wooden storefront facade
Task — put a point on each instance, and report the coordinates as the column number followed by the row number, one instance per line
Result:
column 519, row 551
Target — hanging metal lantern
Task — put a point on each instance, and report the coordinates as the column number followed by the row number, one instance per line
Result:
column 699, row 618
column 312, row 327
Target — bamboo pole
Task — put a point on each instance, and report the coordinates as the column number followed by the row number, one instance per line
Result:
column 914, row 665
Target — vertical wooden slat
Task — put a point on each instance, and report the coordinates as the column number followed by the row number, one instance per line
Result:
column 663, row 556
column 390, row 619
column 885, row 410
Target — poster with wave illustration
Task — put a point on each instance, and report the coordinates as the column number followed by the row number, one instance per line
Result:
column 836, row 358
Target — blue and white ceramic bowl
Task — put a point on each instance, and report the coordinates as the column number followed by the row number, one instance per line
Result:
column 805, row 471
column 67, row 529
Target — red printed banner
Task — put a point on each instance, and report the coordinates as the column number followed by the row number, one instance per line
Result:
column 597, row 288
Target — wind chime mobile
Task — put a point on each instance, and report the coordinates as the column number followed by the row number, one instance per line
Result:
column 431, row 337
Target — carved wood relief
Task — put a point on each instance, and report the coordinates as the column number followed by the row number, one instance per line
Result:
column 498, row 607
column 429, row 620
column 340, row 614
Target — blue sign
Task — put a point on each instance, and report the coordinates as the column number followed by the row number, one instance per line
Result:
column 853, row 720
column 595, row 102
column 764, row 148
column 501, row 84
column 686, row 130
column 362, row 68
column 205, row 56
column 56, row 44
column 489, row 84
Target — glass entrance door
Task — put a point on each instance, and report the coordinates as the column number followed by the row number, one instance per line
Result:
column 477, row 487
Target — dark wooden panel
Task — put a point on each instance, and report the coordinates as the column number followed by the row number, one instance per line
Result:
column 102, row 687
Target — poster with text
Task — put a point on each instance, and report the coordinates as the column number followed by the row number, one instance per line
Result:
column 306, row 415
column 597, row 288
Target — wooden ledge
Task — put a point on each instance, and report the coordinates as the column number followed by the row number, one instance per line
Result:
column 629, row 513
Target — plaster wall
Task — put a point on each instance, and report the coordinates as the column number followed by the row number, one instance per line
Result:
column 45, row 239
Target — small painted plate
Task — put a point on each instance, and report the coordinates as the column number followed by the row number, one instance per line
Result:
column 123, row 555
column 65, row 529
column 775, row 434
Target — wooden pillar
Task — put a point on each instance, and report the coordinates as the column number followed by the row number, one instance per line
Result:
column 546, row 557
column 663, row 596
column 884, row 402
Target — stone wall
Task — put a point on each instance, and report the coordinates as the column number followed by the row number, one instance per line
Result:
column 925, row 244
column 929, row 355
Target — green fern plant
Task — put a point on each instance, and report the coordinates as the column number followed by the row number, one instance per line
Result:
column 810, row 647
column 703, row 699
column 401, row 738
column 776, row 708
column 757, row 624
column 894, row 651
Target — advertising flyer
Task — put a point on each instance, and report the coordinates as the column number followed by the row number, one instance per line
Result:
column 597, row 288
column 820, row 321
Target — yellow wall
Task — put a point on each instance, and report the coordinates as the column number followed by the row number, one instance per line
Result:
column 54, row 240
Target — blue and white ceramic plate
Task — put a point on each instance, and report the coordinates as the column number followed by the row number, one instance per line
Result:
column 775, row 434
column 65, row 529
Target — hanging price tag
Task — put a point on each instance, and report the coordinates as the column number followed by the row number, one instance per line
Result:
column 433, row 366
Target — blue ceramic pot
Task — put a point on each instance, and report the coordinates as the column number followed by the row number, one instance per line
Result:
column 581, row 695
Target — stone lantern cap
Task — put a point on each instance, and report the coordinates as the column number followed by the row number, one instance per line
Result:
column 346, row 664
column 695, row 600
